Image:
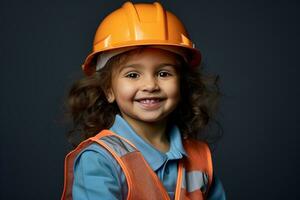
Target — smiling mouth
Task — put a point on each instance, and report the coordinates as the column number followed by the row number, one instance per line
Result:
column 150, row 99
column 150, row 103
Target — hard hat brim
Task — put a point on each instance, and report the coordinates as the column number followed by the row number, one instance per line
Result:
column 89, row 66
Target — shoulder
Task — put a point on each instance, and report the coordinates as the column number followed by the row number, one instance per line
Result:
column 94, row 168
column 95, row 157
column 94, row 150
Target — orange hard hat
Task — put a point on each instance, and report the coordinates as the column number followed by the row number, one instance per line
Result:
column 140, row 24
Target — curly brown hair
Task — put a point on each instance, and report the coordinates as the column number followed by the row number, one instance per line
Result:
column 90, row 111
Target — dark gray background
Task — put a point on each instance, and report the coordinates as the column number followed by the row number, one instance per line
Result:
column 252, row 45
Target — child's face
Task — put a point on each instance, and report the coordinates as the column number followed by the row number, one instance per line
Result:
column 147, row 86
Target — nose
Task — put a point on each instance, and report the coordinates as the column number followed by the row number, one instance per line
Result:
column 150, row 84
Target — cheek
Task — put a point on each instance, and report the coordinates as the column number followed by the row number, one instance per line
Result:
column 124, row 91
column 173, row 89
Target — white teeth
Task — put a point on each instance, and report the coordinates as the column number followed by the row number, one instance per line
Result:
column 149, row 101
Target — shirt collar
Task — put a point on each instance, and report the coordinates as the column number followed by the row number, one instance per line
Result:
column 154, row 157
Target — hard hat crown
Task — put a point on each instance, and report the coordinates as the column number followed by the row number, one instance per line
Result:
column 140, row 24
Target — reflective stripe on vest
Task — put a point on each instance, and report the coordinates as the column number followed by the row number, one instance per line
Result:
column 193, row 179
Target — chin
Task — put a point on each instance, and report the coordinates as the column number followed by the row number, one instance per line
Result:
column 151, row 118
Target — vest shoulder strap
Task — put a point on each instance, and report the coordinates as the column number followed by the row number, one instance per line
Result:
column 130, row 160
column 199, row 160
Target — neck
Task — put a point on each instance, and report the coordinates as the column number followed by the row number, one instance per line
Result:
column 154, row 133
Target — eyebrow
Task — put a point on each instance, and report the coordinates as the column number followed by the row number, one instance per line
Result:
column 176, row 66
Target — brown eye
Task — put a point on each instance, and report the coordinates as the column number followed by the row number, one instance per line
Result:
column 163, row 74
column 132, row 75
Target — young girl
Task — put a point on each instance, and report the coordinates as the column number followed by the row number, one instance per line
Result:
column 141, row 112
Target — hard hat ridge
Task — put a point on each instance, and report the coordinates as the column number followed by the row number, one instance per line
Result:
column 146, row 20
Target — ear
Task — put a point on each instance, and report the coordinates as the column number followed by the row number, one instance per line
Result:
column 110, row 96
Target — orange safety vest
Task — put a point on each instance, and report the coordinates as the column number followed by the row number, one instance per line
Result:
column 194, row 171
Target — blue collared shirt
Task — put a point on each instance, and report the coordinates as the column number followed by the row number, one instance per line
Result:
column 97, row 174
